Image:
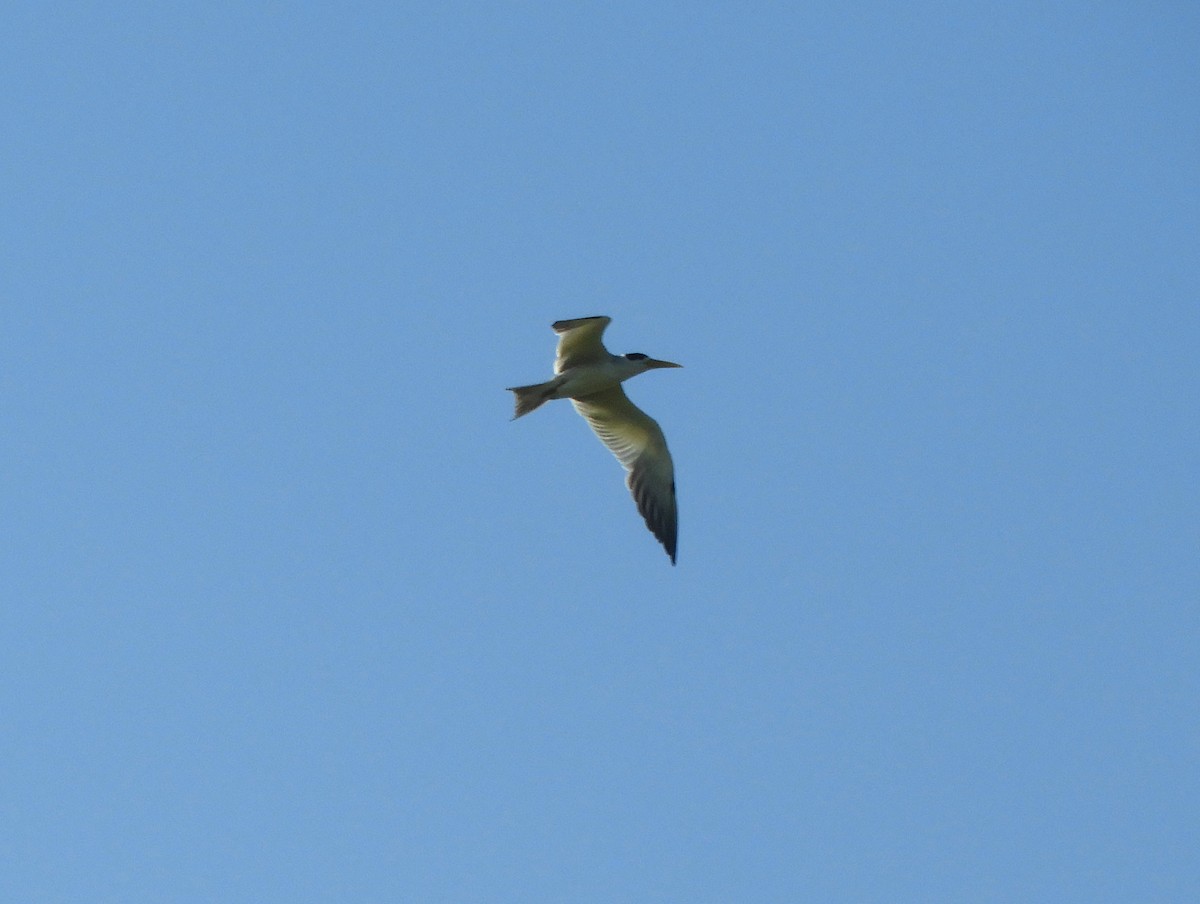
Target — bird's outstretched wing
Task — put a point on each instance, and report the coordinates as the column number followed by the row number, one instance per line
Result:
column 579, row 342
column 638, row 442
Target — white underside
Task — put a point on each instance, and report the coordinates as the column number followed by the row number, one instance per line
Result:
column 591, row 378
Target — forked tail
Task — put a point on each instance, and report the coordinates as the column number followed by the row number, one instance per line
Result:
column 531, row 397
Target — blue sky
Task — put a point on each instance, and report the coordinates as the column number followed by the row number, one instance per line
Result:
column 294, row 612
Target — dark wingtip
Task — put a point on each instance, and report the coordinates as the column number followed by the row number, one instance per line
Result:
column 559, row 325
column 663, row 536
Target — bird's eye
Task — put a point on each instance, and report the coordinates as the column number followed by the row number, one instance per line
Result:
column 636, row 356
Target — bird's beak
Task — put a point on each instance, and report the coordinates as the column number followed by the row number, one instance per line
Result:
column 654, row 362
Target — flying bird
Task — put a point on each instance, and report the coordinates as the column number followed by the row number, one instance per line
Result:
column 591, row 377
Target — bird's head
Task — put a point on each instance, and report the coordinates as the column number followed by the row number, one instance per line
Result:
column 649, row 363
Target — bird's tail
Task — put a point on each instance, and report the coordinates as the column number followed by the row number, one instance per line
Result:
column 531, row 397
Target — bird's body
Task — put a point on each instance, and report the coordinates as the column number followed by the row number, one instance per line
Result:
column 591, row 377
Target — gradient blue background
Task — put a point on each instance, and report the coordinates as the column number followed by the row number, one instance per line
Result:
column 294, row 613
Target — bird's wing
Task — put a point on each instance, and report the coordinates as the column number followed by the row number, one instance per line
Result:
column 579, row 342
column 638, row 442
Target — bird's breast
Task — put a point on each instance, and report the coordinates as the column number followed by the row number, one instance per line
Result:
column 588, row 379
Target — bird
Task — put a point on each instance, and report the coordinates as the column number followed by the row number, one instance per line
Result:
column 591, row 377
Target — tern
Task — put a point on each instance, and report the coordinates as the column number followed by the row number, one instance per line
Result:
column 591, row 377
